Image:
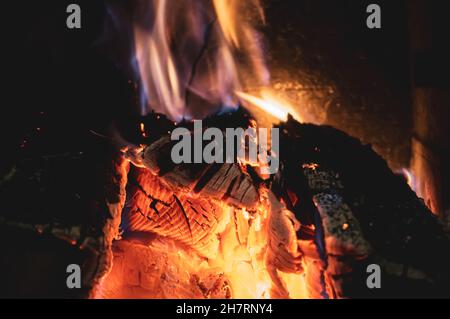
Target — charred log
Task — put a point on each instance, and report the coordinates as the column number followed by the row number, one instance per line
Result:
column 362, row 213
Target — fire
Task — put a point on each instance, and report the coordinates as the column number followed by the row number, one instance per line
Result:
column 170, row 271
column 227, row 15
column 409, row 178
column 272, row 108
column 204, row 68
column 244, row 261
column 188, row 49
column 271, row 104
column 188, row 55
column 156, row 62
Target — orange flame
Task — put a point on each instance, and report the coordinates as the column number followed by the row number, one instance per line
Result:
column 185, row 48
column 189, row 49
column 271, row 104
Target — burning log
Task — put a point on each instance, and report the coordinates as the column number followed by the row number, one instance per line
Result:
column 152, row 207
column 323, row 217
column 224, row 231
column 115, row 194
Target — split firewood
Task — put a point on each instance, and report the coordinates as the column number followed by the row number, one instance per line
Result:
column 327, row 216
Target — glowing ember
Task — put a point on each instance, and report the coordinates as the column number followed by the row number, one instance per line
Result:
column 312, row 166
column 142, row 128
column 239, row 266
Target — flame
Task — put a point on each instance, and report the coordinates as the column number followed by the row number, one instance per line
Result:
column 156, row 62
column 244, row 262
column 410, row 178
column 271, row 104
column 186, row 54
column 227, row 15
column 242, row 249
column 189, row 56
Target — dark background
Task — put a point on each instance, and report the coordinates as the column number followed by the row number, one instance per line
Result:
column 61, row 90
